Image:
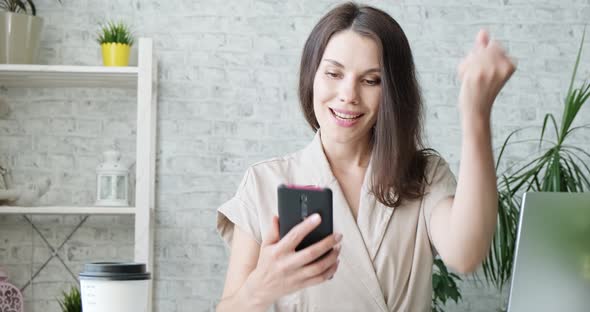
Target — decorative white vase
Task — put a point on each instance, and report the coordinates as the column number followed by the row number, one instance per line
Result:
column 19, row 38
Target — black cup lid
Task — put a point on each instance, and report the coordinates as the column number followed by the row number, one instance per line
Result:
column 115, row 271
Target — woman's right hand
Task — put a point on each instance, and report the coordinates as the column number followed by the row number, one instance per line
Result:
column 281, row 270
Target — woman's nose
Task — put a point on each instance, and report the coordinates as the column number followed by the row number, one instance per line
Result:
column 348, row 92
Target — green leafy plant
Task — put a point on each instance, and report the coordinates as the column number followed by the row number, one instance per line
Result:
column 19, row 6
column 115, row 32
column 71, row 301
column 444, row 286
column 557, row 166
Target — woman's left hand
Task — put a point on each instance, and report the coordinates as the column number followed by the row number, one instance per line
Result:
column 483, row 73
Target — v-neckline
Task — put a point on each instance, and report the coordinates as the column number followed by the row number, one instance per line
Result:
column 358, row 196
column 354, row 253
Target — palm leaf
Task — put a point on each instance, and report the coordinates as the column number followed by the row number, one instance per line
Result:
column 569, row 114
column 577, row 128
column 566, row 147
column 32, row 6
column 20, row 6
column 584, row 181
column 504, row 146
column 548, row 117
column 583, row 176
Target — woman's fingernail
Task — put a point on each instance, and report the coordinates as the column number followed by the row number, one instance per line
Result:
column 338, row 237
column 315, row 218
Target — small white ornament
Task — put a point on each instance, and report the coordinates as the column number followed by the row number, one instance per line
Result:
column 112, row 181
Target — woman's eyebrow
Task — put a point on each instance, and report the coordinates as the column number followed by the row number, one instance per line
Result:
column 337, row 64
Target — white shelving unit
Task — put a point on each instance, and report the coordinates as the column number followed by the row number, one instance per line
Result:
column 142, row 77
column 68, row 76
column 68, row 210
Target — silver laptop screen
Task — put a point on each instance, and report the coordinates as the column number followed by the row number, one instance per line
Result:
column 552, row 260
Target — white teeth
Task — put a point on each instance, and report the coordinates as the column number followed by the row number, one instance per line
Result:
column 345, row 116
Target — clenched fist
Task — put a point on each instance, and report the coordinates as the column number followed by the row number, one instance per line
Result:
column 483, row 73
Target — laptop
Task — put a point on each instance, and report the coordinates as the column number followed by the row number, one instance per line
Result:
column 551, row 269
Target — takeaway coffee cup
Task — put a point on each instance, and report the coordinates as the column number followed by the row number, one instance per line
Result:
column 114, row 287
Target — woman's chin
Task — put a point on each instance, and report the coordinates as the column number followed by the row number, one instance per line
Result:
column 344, row 135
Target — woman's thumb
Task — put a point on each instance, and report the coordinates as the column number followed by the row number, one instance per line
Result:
column 482, row 39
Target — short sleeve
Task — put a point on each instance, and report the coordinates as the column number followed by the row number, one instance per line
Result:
column 440, row 185
column 240, row 211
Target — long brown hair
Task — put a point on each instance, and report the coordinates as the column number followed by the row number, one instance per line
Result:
column 399, row 160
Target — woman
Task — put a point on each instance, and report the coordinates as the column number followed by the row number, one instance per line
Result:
column 396, row 204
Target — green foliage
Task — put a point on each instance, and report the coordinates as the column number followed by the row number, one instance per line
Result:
column 19, row 6
column 72, row 301
column 556, row 167
column 444, row 286
column 115, row 32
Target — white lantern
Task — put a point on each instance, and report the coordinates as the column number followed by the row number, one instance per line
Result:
column 112, row 181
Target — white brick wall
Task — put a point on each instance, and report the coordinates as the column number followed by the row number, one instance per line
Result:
column 227, row 98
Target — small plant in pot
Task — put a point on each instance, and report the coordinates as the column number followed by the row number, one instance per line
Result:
column 71, row 301
column 115, row 39
column 20, row 31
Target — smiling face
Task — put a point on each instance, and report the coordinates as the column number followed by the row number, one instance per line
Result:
column 354, row 106
column 347, row 88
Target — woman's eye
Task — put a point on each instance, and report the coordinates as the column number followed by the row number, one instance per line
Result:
column 332, row 75
column 372, row 82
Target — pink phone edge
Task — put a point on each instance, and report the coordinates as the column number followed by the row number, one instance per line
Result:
column 304, row 187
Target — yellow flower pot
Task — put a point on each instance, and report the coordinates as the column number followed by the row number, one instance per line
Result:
column 115, row 54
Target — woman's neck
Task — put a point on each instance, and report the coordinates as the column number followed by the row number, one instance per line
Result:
column 349, row 155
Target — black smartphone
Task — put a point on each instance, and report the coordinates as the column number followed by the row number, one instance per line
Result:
column 297, row 203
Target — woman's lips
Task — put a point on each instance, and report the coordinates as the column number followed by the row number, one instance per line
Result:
column 345, row 118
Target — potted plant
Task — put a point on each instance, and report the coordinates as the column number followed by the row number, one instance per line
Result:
column 557, row 166
column 71, row 301
column 115, row 40
column 444, row 286
column 20, row 31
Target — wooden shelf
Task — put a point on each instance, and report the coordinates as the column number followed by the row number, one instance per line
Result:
column 50, row 76
column 68, row 210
